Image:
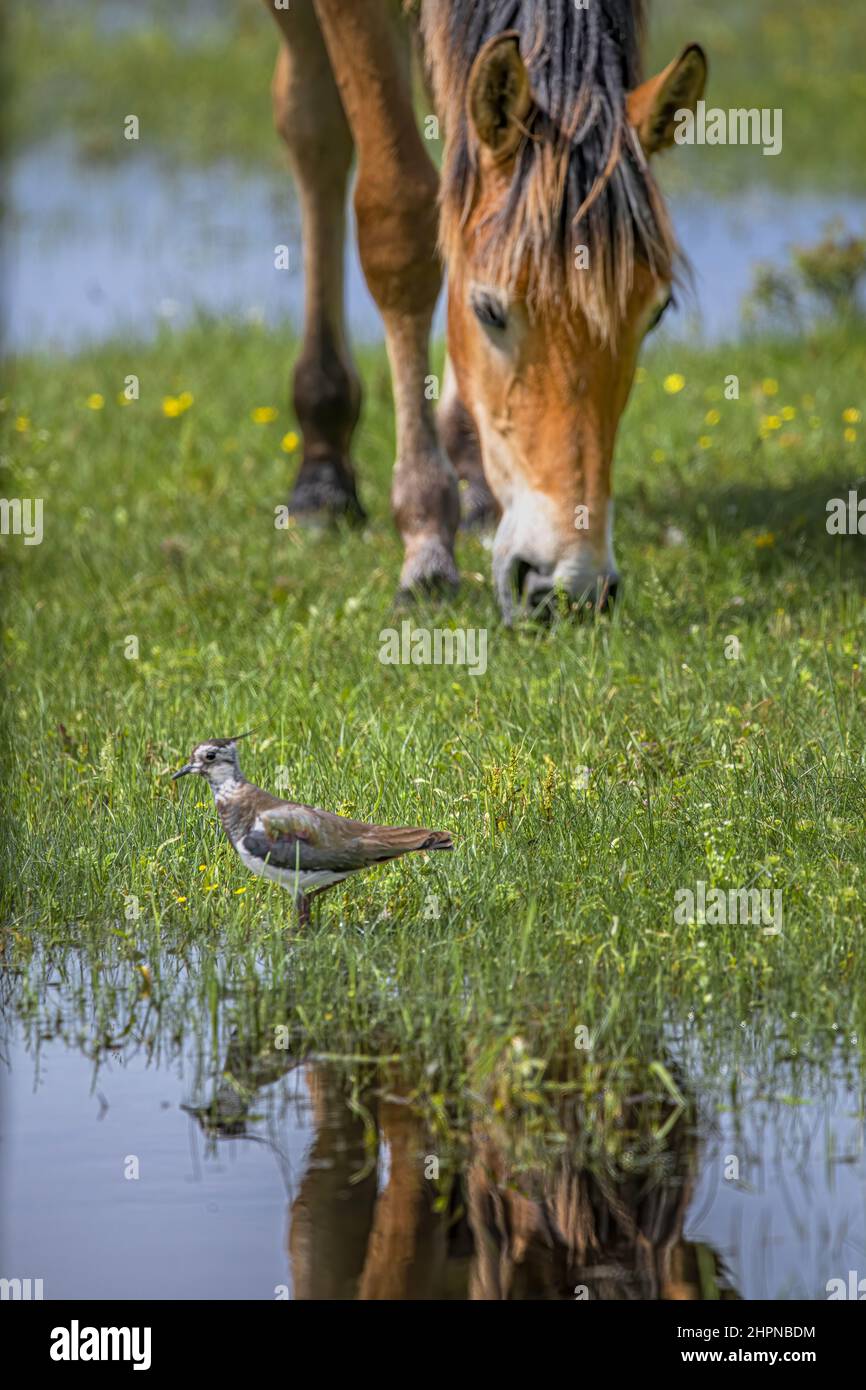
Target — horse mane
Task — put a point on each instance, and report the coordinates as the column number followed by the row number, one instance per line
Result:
column 580, row 175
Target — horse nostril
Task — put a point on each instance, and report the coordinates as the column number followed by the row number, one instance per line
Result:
column 606, row 594
column 520, row 574
column 541, row 597
column 545, row 599
column 601, row 596
column 537, row 592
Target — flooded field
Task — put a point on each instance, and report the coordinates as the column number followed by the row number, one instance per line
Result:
column 100, row 250
column 144, row 1162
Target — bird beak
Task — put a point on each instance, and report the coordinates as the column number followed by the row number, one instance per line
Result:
column 182, row 771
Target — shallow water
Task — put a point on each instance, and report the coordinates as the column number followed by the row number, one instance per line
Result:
column 256, row 1179
column 94, row 250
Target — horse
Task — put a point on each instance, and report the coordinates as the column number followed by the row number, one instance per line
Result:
column 559, row 252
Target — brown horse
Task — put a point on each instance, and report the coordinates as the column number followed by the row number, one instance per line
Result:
column 558, row 249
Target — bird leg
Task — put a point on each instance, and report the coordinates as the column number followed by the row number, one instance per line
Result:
column 302, row 903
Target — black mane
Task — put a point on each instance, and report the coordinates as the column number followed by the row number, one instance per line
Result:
column 580, row 175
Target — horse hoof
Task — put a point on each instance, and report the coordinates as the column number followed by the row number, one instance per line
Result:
column 433, row 590
column 324, row 493
column 429, row 572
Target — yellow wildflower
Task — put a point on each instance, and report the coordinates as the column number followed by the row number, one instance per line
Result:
column 674, row 383
column 263, row 414
column 172, row 406
column 95, row 401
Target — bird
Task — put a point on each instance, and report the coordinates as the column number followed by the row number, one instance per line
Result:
column 300, row 847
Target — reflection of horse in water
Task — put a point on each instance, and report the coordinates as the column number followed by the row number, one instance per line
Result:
column 367, row 1222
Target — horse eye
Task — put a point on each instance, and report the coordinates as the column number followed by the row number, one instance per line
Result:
column 660, row 313
column 488, row 310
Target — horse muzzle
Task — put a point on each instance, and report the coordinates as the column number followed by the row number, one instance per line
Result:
column 524, row 589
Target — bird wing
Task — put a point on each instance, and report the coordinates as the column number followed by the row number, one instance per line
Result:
column 294, row 836
column 289, row 837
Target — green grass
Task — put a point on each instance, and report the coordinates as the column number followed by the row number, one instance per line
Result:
column 789, row 54
column 557, row 907
column 201, row 87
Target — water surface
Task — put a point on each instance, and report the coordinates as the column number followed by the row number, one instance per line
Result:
column 94, row 250
column 137, row 1163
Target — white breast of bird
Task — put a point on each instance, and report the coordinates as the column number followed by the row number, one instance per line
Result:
column 296, row 880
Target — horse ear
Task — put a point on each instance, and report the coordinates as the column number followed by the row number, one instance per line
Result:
column 499, row 96
column 652, row 107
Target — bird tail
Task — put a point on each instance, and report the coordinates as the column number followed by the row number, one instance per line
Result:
column 438, row 839
column 389, row 842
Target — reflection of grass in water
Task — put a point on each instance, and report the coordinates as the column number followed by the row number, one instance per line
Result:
column 598, row 1154
column 557, row 908
column 201, row 88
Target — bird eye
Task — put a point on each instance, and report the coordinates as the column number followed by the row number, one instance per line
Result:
column 210, row 756
column 489, row 310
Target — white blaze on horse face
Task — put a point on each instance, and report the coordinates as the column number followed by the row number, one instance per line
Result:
column 539, row 529
column 545, row 429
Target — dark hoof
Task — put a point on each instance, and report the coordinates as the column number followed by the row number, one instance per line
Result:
column 324, row 492
column 478, row 508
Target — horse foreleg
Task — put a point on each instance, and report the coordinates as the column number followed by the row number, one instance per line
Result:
column 332, row 1213
column 406, row 1252
column 309, row 117
column 395, row 206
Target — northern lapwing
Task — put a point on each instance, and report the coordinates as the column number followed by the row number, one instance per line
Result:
column 297, row 846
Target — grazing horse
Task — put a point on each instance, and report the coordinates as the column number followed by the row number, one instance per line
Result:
column 558, row 250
